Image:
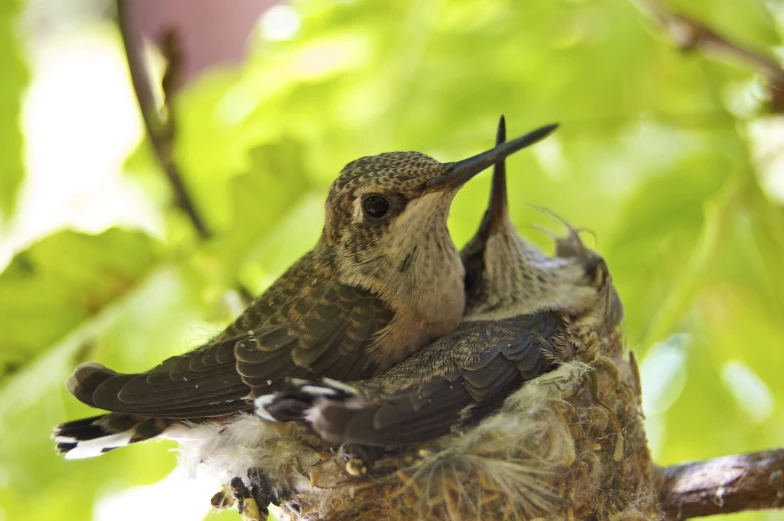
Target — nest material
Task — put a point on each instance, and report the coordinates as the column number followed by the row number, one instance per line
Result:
column 568, row 445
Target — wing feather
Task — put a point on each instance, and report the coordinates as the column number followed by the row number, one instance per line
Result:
column 321, row 330
column 456, row 380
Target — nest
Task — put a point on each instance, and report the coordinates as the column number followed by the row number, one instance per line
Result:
column 567, row 445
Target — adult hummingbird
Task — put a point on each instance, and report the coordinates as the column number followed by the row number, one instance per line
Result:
column 383, row 280
column 520, row 304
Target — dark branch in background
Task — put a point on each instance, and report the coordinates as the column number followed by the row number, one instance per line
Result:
column 159, row 122
column 690, row 34
column 723, row 485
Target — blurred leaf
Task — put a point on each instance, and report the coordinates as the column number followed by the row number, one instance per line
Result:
column 155, row 319
column 58, row 282
column 664, row 238
column 260, row 200
column 209, row 148
column 280, row 249
column 14, row 81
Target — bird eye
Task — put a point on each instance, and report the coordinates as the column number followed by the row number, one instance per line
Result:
column 375, row 206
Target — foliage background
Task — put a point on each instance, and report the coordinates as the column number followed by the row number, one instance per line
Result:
column 673, row 160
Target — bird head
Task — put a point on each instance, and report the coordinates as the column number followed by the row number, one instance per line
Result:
column 389, row 206
column 505, row 274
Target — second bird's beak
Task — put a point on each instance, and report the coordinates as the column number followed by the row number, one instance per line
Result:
column 497, row 212
column 458, row 173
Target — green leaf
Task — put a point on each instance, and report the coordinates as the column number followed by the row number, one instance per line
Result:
column 154, row 319
column 260, row 200
column 58, row 282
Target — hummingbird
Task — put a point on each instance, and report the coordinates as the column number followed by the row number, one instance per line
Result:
column 383, row 280
column 520, row 305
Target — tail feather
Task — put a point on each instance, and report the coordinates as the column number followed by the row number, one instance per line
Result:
column 94, row 436
column 97, row 435
column 85, row 379
column 328, row 407
column 301, row 398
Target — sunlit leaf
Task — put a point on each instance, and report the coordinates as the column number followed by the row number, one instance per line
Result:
column 60, row 281
column 14, row 79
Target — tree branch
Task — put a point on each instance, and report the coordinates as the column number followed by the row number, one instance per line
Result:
column 159, row 125
column 690, row 34
column 722, row 485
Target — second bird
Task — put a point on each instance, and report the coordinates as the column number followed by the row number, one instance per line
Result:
column 520, row 305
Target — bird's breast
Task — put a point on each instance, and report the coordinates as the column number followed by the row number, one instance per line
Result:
column 428, row 299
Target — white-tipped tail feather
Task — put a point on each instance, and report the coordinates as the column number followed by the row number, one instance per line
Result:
column 302, row 399
column 261, row 404
column 90, row 437
column 80, row 449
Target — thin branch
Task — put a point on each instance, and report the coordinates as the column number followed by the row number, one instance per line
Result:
column 170, row 43
column 160, row 123
column 688, row 33
column 159, row 127
column 723, row 485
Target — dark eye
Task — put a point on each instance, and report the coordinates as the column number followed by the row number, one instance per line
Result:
column 375, row 206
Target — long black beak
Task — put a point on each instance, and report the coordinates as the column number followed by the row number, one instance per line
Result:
column 497, row 210
column 498, row 200
column 460, row 172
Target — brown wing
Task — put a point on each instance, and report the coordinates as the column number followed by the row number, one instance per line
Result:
column 327, row 334
column 322, row 331
column 199, row 384
column 306, row 325
column 458, row 379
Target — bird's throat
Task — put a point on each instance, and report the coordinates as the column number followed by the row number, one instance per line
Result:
column 417, row 271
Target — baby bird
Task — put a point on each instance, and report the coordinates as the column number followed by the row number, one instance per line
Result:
column 519, row 306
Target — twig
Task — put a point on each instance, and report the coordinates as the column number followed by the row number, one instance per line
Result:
column 160, row 123
column 170, row 43
column 688, row 33
column 159, row 127
column 723, row 485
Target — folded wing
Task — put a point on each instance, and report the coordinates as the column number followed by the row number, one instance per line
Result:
column 456, row 381
column 325, row 334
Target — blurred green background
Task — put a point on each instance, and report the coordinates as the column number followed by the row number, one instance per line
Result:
column 673, row 159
